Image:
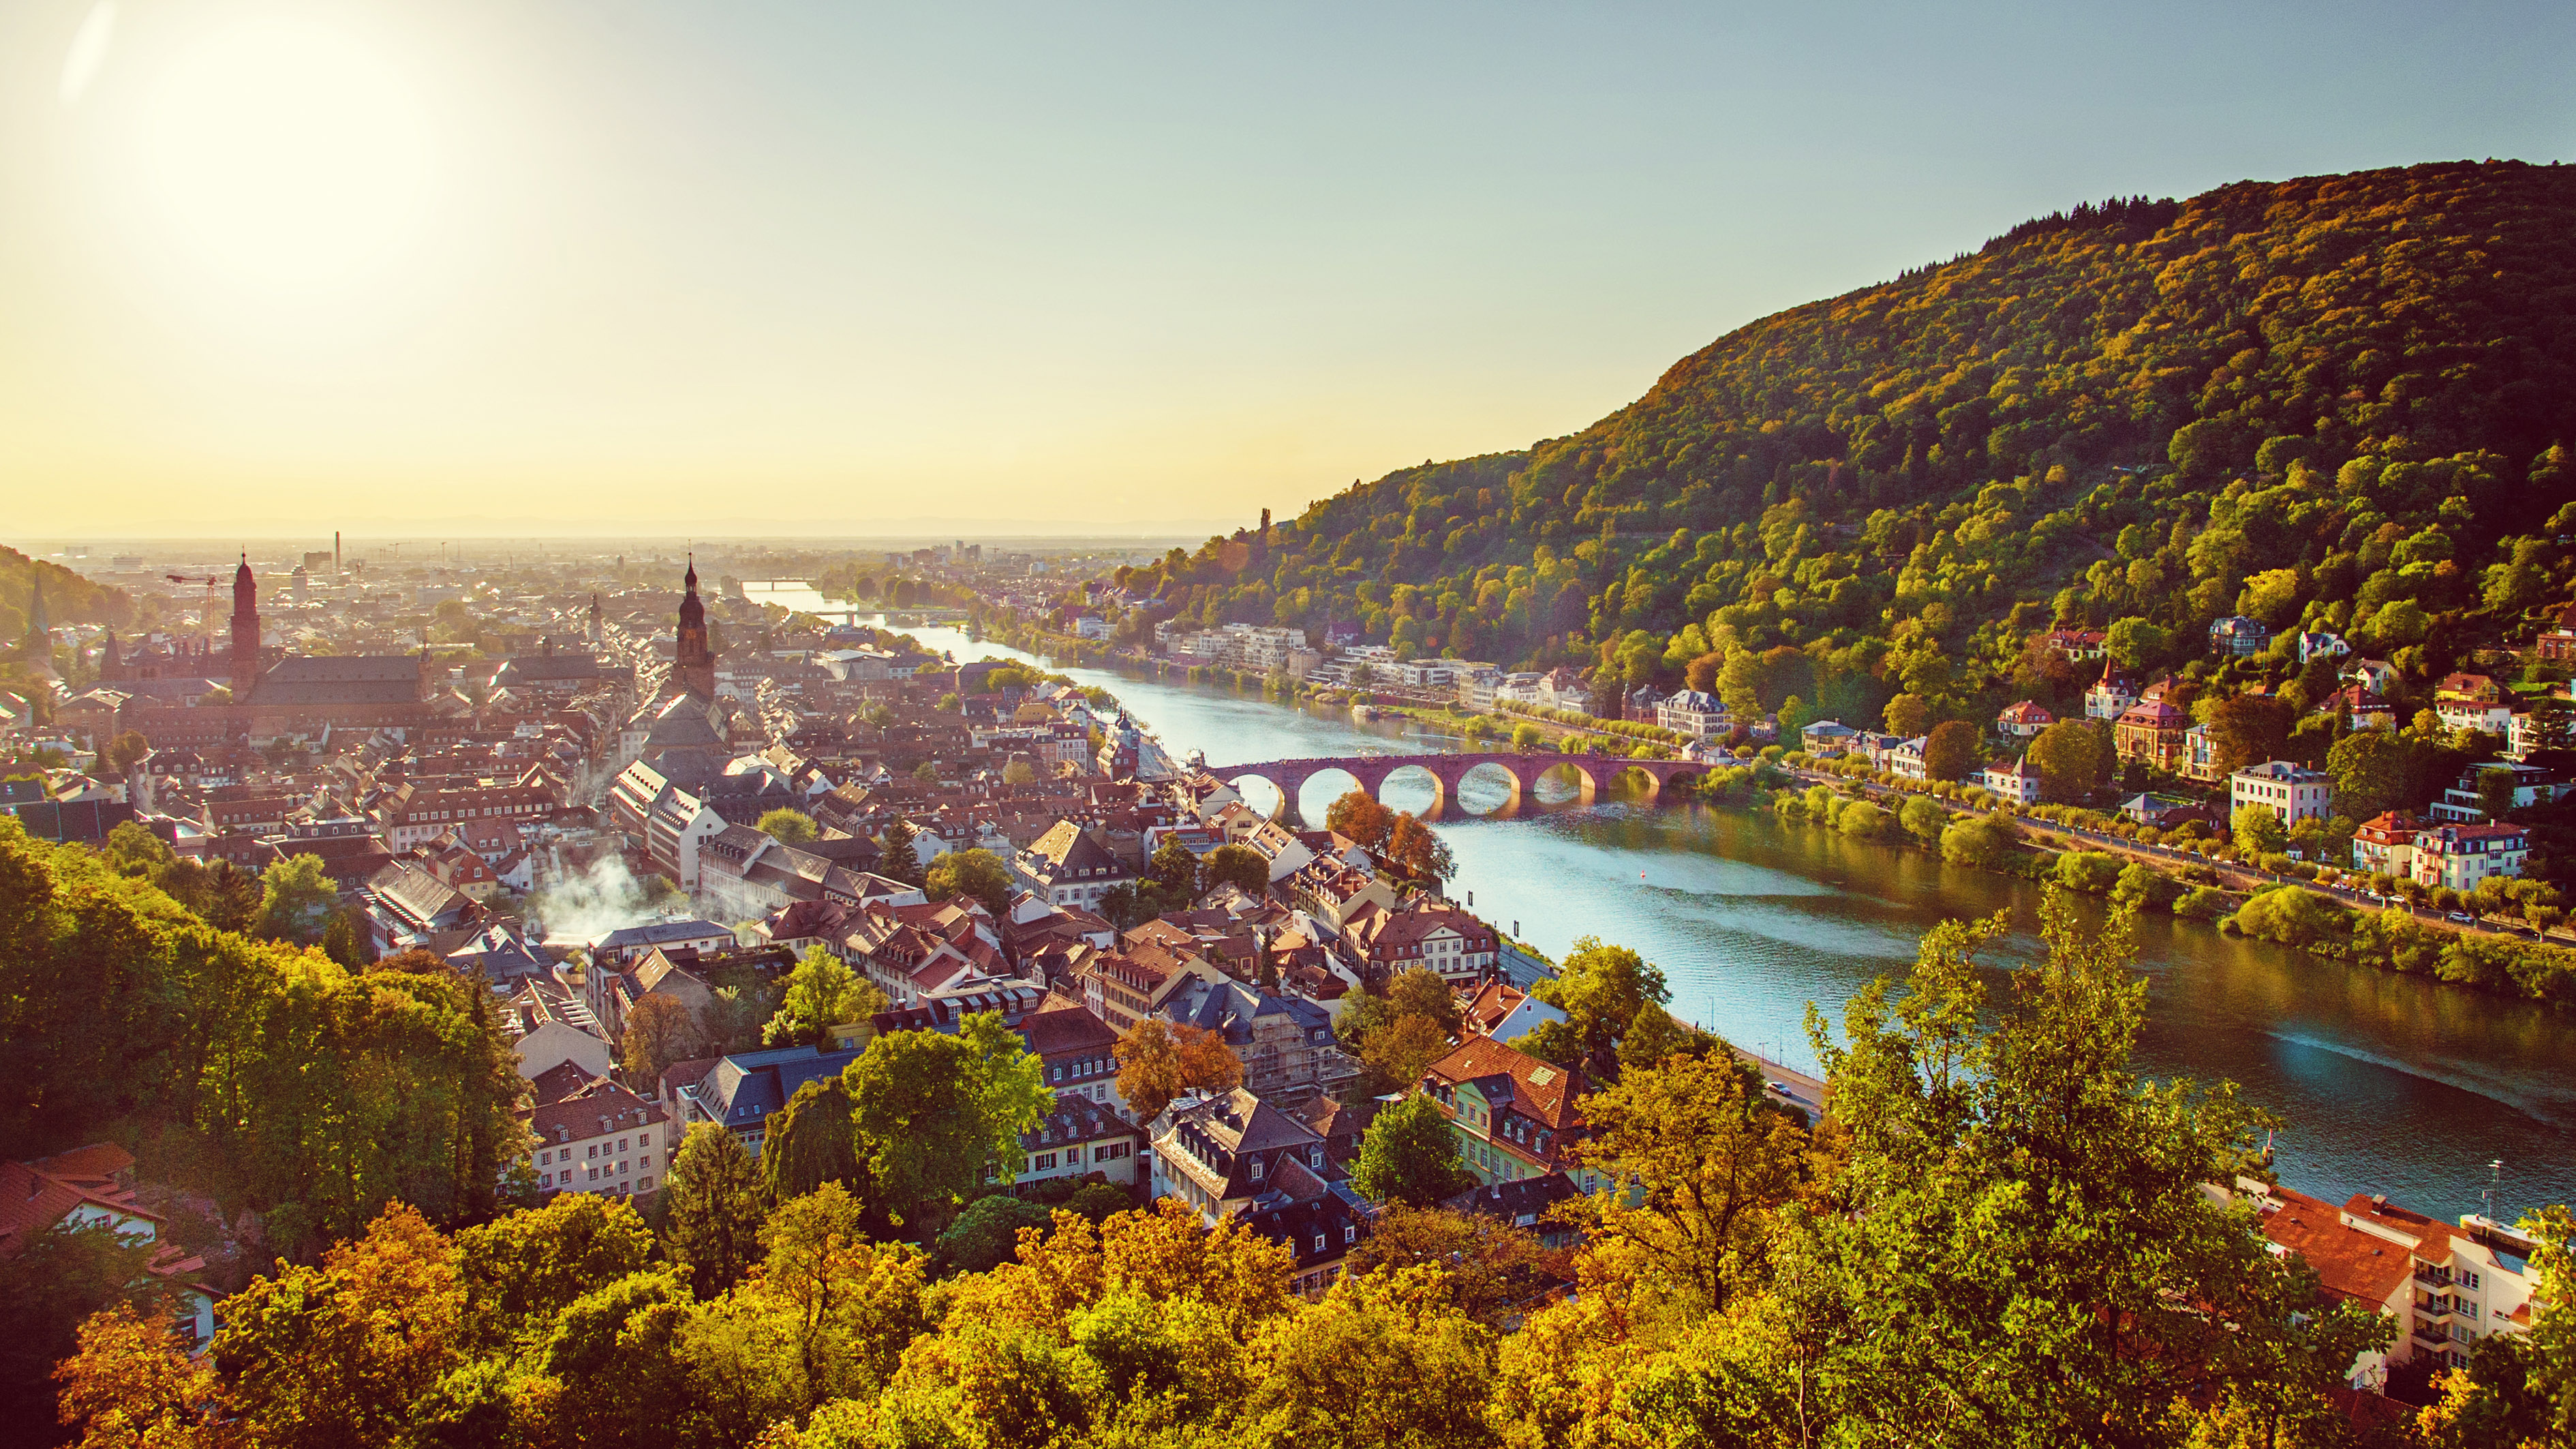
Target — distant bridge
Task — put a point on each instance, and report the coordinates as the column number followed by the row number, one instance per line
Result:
column 1592, row 774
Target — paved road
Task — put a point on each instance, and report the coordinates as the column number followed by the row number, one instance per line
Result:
column 2239, row 877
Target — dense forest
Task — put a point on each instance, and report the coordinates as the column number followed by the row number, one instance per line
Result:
column 2336, row 402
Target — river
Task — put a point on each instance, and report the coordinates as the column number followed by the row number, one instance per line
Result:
column 2385, row 1084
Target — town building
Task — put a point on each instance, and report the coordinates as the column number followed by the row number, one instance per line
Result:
column 2446, row 1287
column 2458, row 857
column 2014, row 780
column 1284, row 1043
column 602, row 1138
column 1695, row 713
column 1425, row 931
column 2385, row 844
column 2239, row 637
column 1515, row 1114
column 2151, row 732
column 2110, row 696
column 1071, row 866
column 1077, row 1138
column 2023, row 720
column 2290, row 791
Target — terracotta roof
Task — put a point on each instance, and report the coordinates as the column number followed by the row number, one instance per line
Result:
column 1541, row 1089
column 600, row 1108
column 2361, row 1267
column 1057, row 1029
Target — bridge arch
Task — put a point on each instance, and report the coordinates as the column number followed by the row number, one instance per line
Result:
column 1409, row 771
column 1332, row 781
column 1579, row 769
column 1490, row 770
column 1283, row 783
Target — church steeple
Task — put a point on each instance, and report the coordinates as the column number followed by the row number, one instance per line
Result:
column 245, row 660
column 693, row 662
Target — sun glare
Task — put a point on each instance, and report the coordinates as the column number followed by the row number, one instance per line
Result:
column 285, row 158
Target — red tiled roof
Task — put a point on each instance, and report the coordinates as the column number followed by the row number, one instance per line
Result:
column 1541, row 1089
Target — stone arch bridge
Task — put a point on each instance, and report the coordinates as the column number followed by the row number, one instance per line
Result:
column 1592, row 774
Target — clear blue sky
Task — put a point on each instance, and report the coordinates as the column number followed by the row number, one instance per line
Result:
column 644, row 264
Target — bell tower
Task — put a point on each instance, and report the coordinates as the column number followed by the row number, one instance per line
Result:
column 693, row 664
column 245, row 662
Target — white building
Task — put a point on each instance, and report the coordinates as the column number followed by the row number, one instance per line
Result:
column 2291, row 791
column 2017, row 781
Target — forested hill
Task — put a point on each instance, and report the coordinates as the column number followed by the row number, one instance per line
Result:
column 2130, row 410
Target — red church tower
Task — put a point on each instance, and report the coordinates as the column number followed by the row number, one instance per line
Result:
column 245, row 663
column 693, row 665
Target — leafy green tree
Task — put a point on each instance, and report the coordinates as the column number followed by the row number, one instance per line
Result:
column 2137, row 643
column 297, row 901
column 1908, row 716
column 786, row 826
column 2370, row 769
column 2250, row 729
column 900, row 858
column 979, row 874
column 823, row 992
column 1982, row 841
column 1923, row 818
column 1410, row 1154
column 987, row 1234
column 932, row 1111
column 1691, row 1164
column 712, row 1198
column 811, row 1141
column 1239, row 866
column 1174, row 868
column 1600, row 988
column 2259, row 831
column 2022, row 1251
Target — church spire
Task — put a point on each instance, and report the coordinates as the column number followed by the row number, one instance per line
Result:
column 245, row 658
column 693, row 661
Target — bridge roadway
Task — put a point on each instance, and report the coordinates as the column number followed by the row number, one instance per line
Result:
column 1591, row 773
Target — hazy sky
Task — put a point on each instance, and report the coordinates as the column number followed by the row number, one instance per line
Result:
column 547, row 265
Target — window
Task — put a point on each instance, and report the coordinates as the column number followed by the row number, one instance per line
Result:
column 1319, row 1242
column 594, row 1174
column 545, row 1179
column 1314, row 1157
column 621, row 1144
column 545, row 1159
column 1256, row 1170
column 2468, row 1279
column 1350, row 1235
column 644, row 1140
column 592, row 1151
column 644, row 1186
column 1045, row 1161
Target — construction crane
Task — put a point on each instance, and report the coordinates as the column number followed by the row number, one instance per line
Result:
column 213, row 581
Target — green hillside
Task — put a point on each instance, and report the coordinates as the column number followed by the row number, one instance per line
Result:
column 2338, row 400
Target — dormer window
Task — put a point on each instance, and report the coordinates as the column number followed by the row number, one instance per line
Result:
column 1256, row 1169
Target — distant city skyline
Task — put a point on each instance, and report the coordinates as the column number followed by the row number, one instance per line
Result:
column 278, row 267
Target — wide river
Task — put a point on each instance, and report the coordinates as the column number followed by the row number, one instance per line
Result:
column 2385, row 1084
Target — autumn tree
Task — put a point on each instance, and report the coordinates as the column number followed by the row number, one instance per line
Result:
column 1356, row 815
column 54, row 1280
column 1414, row 850
column 1692, row 1163
column 2250, row 729
column 1950, row 751
column 1491, row 1268
column 134, row 1385
column 1160, row 1061
column 659, row 1032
